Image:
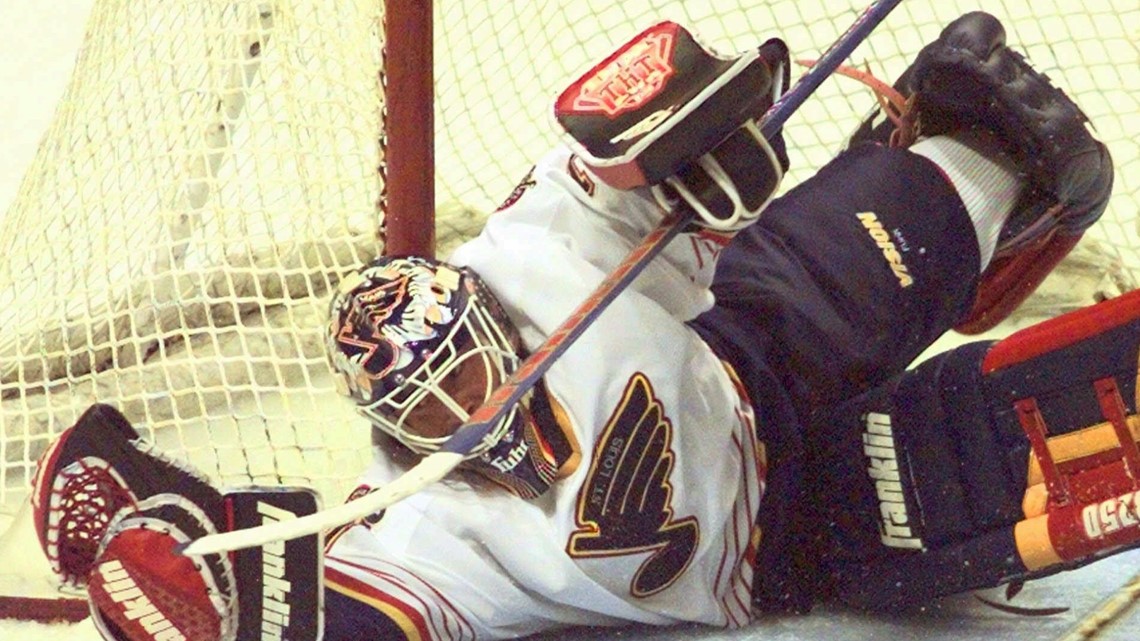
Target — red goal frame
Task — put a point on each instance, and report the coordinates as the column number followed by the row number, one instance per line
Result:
column 408, row 130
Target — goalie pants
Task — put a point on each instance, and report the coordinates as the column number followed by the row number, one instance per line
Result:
column 838, row 287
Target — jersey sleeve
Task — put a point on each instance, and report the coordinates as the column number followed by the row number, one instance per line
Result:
column 656, row 524
column 563, row 201
column 361, row 613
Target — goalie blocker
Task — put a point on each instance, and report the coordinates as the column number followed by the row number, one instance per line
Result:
column 988, row 464
column 111, row 514
column 667, row 112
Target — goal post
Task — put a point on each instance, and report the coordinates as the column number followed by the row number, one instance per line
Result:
column 215, row 166
column 409, row 198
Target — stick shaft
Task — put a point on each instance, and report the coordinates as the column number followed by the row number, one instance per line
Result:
column 532, row 369
column 783, row 108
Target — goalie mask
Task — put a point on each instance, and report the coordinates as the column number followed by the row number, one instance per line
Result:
column 420, row 345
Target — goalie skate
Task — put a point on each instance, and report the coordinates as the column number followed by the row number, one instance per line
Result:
column 969, row 78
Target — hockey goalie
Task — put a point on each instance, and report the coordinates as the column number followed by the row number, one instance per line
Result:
column 738, row 432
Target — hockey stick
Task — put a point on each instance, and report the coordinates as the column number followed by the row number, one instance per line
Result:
column 437, row 465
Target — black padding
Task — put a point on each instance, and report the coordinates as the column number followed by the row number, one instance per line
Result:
column 959, row 465
column 350, row 620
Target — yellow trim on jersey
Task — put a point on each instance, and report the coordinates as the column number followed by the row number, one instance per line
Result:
column 567, row 427
column 402, row 620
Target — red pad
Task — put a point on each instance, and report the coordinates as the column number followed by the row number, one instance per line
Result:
column 1009, row 280
column 148, row 591
column 1093, row 504
column 1062, row 331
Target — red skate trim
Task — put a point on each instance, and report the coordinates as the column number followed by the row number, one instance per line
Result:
column 1081, row 529
column 1093, row 505
column 1112, row 405
column 1034, row 425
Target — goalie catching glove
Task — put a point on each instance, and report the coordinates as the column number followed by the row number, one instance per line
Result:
column 111, row 513
column 970, row 79
column 665, row 111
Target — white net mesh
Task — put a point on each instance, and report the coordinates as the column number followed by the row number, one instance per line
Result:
column 211, row 171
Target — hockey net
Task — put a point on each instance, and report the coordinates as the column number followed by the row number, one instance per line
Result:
column 216, row 165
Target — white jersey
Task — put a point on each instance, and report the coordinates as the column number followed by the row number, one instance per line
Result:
column 656, row 523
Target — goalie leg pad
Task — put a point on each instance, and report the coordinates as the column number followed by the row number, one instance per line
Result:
column 909, row 480
column 1070, row 383
column 987, row 464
